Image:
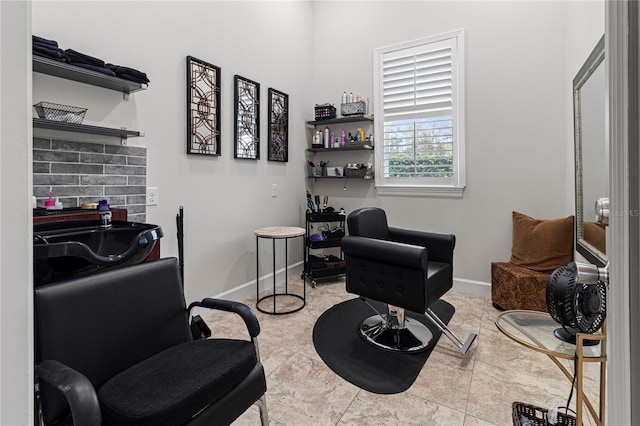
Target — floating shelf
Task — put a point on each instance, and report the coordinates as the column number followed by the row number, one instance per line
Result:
column 71, row 72
column 352, row 119
column 340, row 177
column 84, row 128
column 357, row 147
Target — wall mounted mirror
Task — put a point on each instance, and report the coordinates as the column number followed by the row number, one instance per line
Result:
column 591, row 157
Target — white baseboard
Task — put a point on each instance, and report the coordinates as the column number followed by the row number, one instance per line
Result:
column 248, row 290
column 472, row 287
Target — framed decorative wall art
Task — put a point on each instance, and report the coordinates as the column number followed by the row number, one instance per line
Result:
column 203, row 107
column 278, row 126
column 247, row 118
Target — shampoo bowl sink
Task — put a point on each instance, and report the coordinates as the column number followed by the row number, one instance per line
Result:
column 65, row 249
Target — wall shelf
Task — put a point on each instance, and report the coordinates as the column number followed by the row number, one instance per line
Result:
column 84, row 128
column 340, row 177
column 71, row 72
column 356, row 147
column 364, row 146
column 352, row 119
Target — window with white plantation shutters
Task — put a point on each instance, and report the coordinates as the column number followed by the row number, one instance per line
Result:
column 418, row 106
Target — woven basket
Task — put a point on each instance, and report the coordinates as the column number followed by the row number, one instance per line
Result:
column 530, row 415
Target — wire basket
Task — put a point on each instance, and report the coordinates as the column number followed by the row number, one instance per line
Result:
column 353, row 108
column 358, row 171
column 58, row 112
column 325, row 112
column 530, row 415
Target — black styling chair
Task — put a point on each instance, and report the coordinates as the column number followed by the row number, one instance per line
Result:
column 407, row 270
column 117, row 348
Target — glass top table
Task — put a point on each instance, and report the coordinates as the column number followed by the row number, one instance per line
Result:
column 535, row 330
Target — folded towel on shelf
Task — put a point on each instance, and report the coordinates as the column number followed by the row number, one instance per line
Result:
column 40, row 40
column 49, row 51
column 129, row 73
column 102, row 70
column 80, row 58
column 133, row 78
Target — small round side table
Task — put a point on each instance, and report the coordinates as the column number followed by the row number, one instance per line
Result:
column 278, row 233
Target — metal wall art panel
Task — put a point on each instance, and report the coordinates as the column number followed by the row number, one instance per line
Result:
column 203, row 107
column 278, row 126
column 247, row 118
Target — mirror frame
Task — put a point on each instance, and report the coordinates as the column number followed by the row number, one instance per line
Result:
column 583, row 247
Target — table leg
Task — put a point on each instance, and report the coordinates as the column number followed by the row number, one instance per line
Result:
column 304, row 267
column 274, row 275
column 579, row 384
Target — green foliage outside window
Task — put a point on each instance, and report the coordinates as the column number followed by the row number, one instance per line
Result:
column 419, row 148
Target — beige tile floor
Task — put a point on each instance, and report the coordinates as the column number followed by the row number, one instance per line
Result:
column 476, row 390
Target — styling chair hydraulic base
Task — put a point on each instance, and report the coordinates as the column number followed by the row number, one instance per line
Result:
column 395, row 332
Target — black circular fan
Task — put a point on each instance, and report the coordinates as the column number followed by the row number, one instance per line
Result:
column 578, row 308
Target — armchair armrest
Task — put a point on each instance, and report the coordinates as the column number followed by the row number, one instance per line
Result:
column 76, row 388
column 440, row 246
column 391, row 252
column 245, row 312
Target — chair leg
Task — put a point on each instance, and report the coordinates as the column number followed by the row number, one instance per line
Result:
column 463, row 346
column 262, row 406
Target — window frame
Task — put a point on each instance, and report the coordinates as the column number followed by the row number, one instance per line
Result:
column 424, row 186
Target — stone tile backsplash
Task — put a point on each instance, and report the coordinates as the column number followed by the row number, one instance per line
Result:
column 79, row 172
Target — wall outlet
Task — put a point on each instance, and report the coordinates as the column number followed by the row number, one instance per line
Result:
column 152, row 196
column 274, row 189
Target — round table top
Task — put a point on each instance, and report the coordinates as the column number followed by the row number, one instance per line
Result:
column 280, row 232
column 535, row 330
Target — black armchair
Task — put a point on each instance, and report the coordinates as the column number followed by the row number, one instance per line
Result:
column 117, row 348
column 404, row 268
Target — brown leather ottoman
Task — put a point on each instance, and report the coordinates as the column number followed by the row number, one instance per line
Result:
column 515, row 287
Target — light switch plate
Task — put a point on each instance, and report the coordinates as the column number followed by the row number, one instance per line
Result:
column 152, row 196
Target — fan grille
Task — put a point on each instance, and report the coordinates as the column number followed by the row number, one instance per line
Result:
column 581, row 307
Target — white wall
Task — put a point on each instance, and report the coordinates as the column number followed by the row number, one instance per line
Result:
column 520, row 62
column 518, row 95
column 16, row 323
column 224, row 199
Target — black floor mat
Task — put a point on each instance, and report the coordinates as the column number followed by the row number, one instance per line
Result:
column 376, row 370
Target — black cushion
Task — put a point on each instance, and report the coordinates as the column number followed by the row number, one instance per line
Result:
column 174, row 385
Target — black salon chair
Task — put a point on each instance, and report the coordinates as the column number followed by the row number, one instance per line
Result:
column 407, row 270
column 117, row 348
